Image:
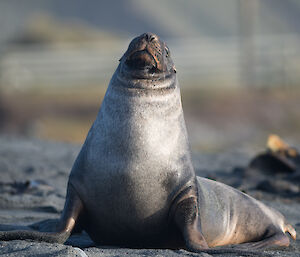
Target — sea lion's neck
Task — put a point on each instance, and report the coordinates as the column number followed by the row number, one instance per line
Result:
column 161, row 97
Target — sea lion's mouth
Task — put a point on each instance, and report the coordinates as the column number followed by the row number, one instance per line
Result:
column 141, row 60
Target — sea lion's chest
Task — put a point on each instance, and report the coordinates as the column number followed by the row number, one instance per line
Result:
column 136, row 159
column 139, row 159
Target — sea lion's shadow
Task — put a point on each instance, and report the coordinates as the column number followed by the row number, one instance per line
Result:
column 80, row 240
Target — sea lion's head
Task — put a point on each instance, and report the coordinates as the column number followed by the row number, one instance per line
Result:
column 147, row 57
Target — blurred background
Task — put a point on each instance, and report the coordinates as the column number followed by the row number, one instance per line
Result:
column 238, row 64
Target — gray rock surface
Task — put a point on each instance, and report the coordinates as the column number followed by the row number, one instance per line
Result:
column 33, row 178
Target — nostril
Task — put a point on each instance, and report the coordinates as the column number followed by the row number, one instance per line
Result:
column 149, row 37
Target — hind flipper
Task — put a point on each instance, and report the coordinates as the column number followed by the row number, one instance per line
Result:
column 186, row 216
column 275, row 241
column 72, row 210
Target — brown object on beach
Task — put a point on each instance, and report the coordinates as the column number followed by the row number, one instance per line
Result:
column 278, row 158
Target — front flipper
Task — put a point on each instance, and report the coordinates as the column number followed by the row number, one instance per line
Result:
column 186, row 216
column 72, row 210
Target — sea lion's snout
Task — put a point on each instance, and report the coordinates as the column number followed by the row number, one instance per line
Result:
column 148, row 53
column 144, row 52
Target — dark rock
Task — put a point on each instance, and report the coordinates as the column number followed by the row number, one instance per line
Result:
column 278, row 187
column 270, row 164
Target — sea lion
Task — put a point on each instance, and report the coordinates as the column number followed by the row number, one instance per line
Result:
column 133, row 182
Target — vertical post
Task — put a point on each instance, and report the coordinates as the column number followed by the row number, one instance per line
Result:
column 2, row 106
column 247, row 19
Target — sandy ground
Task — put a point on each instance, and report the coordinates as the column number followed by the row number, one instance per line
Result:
column 32, row 188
